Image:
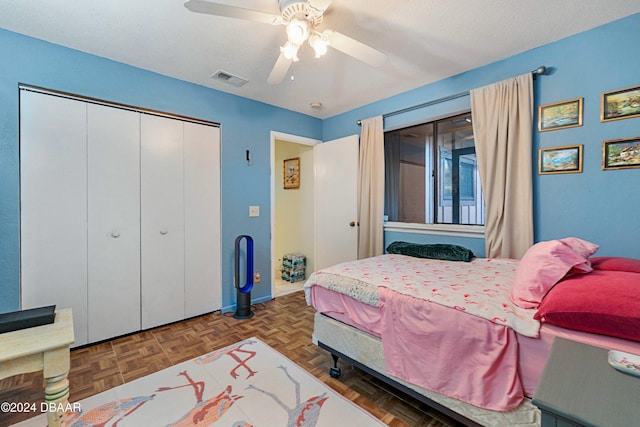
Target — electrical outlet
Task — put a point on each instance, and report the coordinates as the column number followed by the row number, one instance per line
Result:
column 256, row 277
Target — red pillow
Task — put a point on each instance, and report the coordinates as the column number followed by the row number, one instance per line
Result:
column 615, row 263
column 601, row 302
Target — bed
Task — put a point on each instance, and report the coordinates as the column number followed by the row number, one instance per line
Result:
column 470, row 337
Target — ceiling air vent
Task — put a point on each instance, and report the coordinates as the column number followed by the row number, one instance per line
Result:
column 229, row 78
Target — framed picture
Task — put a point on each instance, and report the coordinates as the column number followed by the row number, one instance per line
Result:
column 560, row 115
column 565, row 159
column 621, row 153
column 620, row 104
column 292, row 173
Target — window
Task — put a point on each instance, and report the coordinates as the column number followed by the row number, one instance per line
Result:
column 431, row 173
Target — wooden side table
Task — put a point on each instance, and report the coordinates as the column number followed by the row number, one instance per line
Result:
column 42, row 348
column 578, row 387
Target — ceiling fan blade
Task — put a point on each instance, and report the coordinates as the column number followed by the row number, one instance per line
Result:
column 321, row 5
column 210, row 8
column 352, row 47
column 279, row 70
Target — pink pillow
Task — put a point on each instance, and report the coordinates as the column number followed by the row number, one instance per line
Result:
column 584, row 248
column 603, row 302
column 542, row 266
column 614, row 263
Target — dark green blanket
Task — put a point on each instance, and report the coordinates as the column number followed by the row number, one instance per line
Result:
column 433, row 251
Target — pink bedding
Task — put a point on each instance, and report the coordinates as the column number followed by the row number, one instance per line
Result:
column 464, row 357
column 473, row 358
column 480, row 287
column 532, row 352
column 531, row 357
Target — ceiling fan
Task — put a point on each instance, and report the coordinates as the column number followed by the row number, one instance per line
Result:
column 301, row 19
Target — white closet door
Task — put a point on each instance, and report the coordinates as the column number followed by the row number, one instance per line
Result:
column 162, row 219
column 114, row 222
column 202, row 219
column 53, row 205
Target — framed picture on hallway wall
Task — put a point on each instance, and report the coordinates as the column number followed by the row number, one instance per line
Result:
column 560, row 115
column 292, row 173
column 565, row 159
column 620, row 104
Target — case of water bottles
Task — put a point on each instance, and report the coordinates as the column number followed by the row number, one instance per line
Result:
column 293, row 267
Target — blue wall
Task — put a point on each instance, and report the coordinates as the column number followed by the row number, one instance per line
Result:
column 245, row 124
column 600, row 206
column 596, row 205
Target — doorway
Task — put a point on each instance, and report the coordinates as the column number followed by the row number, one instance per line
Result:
column 292, row 211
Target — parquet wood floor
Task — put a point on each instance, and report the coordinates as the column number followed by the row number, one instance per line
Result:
column 285, row 323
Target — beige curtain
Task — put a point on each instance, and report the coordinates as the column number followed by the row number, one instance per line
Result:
column 371, row 189
column 502, row 126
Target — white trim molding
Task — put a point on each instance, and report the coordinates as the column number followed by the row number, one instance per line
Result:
column 456, row 230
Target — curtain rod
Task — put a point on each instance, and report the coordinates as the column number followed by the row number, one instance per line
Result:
column 538, row 71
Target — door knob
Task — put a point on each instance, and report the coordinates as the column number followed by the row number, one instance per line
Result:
column 163, row 231
column 352, row 224
column 115, row 234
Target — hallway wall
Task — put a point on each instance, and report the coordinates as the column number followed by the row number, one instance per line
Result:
column 294, row 208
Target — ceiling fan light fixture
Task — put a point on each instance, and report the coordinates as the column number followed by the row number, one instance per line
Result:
column 301, row 19
column 290, row 51
column 297, row 31
column 318, row 44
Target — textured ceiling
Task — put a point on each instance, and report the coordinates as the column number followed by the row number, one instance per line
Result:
column 426, row 41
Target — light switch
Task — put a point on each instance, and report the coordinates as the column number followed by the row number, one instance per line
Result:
column 254, row 210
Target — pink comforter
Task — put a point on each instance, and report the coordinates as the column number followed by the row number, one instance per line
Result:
column 426, row 340
column 464, row 357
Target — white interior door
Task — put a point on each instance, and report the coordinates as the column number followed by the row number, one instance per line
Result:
column 162, row 220
column 336, row 185
column 53, row 205
column 114, row 221
column 203, row 278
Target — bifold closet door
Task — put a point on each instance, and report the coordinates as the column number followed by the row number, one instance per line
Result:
column 203, row 289
column 162, row 220
column 113, row 160
column 53, row 205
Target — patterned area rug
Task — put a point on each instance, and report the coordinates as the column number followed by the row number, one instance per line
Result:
column 242, row 385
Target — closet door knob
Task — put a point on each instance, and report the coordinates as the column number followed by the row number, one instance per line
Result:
column 115, row 234
column 163, row 231
column 352, row 224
